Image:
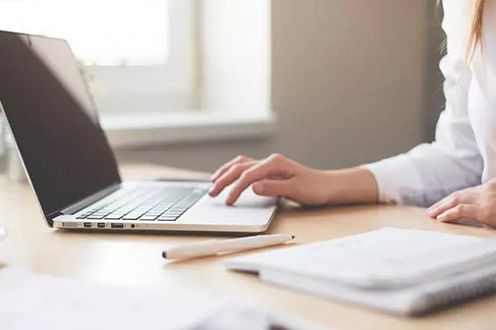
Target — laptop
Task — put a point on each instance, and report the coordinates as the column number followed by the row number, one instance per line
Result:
column 70, row 163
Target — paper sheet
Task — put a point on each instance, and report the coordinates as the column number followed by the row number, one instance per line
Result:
column 32, row 301
column 29, row 301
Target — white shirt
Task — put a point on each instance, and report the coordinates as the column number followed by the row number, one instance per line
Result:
column 464, row 151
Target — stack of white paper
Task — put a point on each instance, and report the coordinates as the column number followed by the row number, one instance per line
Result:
column 398, row 270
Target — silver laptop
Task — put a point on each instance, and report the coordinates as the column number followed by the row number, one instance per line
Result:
column 71, row 166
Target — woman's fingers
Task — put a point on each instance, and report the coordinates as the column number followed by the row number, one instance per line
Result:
column 229, row 176
column 274, row 171
column 269, row 187
column 273, row 165
column 441, row 206
column 224, row 168
column 476, row 203
column 460, row 211
column 448, row 203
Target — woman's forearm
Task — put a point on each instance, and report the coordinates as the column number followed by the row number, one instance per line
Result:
column 278, row 175
column 353, row 185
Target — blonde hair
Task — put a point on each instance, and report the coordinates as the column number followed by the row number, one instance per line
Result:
column 476, row 28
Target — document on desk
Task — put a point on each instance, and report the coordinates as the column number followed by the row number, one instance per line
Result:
column 32, row 301
column 397, row 270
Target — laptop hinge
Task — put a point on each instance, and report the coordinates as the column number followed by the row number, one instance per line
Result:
column 73, row 208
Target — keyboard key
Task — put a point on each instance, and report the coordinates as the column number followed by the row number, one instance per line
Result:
column 114, row 216
column 167, row 218
column 154, row 213
column 93, row 216
column 161, row 210
column 100, row 213
column 172, row 213
column 131, row 216
column 148, row 217
column 179, row 208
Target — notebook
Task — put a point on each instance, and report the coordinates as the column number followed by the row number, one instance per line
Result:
column 402, row 271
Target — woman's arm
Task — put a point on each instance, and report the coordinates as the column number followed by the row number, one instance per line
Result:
column 430, row 172
column 422, row 176
column 277, row 175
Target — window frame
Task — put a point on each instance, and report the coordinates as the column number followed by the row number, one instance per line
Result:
column 231, row 99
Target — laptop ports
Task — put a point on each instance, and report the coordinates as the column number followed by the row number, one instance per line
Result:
column 87, row 225
column 101, row 225
column 117, row 225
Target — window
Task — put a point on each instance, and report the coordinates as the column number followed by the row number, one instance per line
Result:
column 136, row 53
column 151, row 64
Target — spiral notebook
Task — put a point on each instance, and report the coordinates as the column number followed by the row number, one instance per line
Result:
column 402, row 271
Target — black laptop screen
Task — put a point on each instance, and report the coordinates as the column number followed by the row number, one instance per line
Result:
column 53, row 121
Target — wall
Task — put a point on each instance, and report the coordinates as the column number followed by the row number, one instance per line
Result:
column 236, row 55
column 352, row 81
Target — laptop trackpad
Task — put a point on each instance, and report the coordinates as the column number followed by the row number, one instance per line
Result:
column 250, row 209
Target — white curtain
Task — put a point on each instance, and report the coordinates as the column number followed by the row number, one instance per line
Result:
column 102, row 32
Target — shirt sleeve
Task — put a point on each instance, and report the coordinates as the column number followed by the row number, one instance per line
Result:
column 429, row 172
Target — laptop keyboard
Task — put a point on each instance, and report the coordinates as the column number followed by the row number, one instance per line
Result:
column 146, row 204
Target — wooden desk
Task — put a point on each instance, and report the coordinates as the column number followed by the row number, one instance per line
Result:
column 134, row 259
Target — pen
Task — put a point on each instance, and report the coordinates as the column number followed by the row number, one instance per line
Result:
column 213, row 247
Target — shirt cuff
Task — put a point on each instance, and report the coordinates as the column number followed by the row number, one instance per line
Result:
column 396, row 177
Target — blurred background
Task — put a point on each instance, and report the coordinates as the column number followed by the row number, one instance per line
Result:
column 192, row 83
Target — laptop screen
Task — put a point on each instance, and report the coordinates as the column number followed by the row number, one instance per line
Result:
column 53, row 121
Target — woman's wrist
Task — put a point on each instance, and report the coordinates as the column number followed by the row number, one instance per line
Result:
column 352, row 185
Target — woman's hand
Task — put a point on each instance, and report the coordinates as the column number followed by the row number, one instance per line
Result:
column 477, row 203
column 277, row 175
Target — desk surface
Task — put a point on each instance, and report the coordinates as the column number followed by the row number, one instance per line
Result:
column 134, row 259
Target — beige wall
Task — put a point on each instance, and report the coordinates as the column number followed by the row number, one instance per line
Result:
column 352, row 81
